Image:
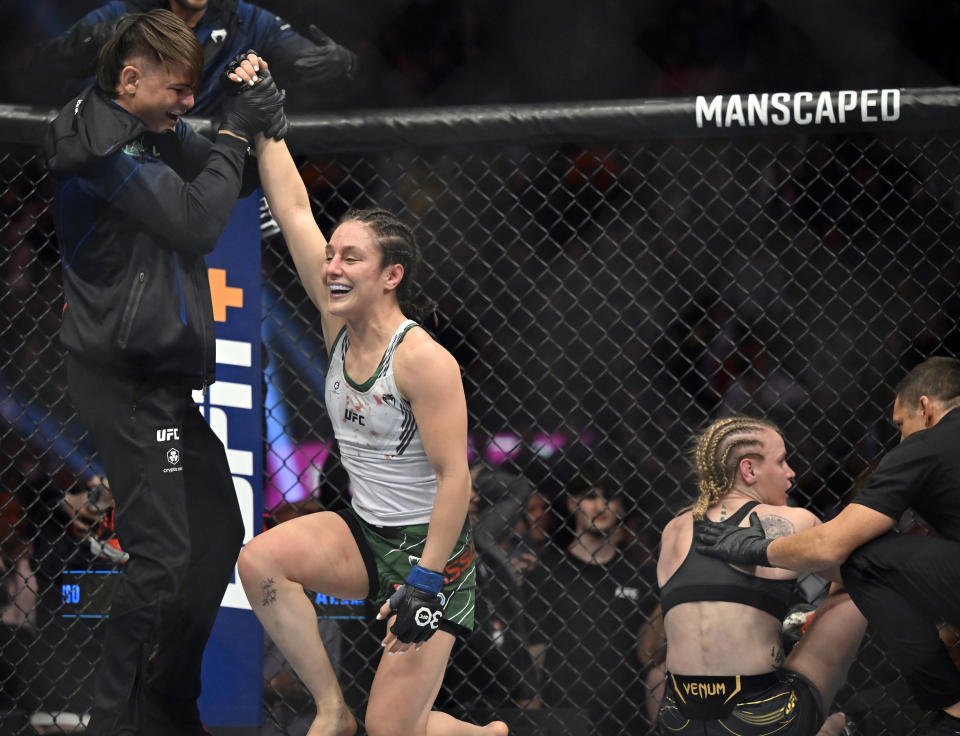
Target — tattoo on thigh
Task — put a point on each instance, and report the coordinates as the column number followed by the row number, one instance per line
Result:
column 269, row 592
column 778, row 656
column 776, row 526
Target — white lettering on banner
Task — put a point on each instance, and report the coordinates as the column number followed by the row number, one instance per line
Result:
column 223, row 395
column 233, row 352
column 240, row 461
column 785, row 108
column 778, row 101
column 235, row 395
column 825, row 108
column 801, row 117
column 757, row 109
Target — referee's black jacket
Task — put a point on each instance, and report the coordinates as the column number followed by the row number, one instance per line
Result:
column 135, row 212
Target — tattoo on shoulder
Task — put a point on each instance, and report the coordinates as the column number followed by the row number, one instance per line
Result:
column 776, row 526
column 269, row 592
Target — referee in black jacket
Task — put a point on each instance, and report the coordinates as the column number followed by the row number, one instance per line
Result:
column 140, row 199
column 904, row 584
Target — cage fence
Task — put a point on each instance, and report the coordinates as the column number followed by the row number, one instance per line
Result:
column 607, row 289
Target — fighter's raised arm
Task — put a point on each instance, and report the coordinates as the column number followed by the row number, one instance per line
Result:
column 290, row 205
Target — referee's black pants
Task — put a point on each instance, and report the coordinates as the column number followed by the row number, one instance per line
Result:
column 905, row 585
column 176, row 515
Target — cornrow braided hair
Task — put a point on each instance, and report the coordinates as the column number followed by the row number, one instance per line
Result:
column 717, row 455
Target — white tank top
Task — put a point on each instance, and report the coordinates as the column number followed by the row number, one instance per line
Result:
column 391, row 481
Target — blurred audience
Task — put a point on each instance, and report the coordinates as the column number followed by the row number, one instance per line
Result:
column 583, row 608
column 496, row 671
column 532, row 532
column 436, row 52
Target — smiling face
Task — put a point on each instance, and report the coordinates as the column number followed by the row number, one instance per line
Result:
column 156, row 93
column 352, row 270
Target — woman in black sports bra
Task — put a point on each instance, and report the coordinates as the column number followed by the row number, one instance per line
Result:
column 727, row 673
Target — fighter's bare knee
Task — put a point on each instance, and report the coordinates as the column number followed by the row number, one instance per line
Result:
column 254, row 558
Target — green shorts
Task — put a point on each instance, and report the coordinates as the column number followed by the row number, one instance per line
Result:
column 389, row 554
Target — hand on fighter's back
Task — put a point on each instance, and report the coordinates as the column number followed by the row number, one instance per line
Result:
column 739, row 545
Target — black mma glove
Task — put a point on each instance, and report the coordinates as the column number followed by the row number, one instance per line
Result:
column 418, row 605
column 738, row 545
column 325, row 62
column 255, row 109
column 279, row 126
column 228, row 85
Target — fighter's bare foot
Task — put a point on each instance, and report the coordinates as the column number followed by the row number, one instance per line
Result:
column 337, row 721
column 497, row 728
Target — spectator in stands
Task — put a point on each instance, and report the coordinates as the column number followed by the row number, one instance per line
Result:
column 224, row 28
column 583, row 615
column 18, row 597
column 532, row 532
column 497, row 671
column 18, row 590
column 71, row 530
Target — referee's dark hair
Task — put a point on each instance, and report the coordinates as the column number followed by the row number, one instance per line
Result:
column 158, row 36
column 937, row 378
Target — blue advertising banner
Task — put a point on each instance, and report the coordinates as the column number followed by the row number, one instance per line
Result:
column 233, row 405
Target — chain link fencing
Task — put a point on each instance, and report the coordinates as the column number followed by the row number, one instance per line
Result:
column 609, row 281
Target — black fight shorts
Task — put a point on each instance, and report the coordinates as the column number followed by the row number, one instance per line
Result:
column 783, row 703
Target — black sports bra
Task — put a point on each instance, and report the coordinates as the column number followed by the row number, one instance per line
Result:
column 703, row 578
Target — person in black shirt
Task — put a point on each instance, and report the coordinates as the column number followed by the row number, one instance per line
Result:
column 584, row 604
column 140, row 199
column 904, row 584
